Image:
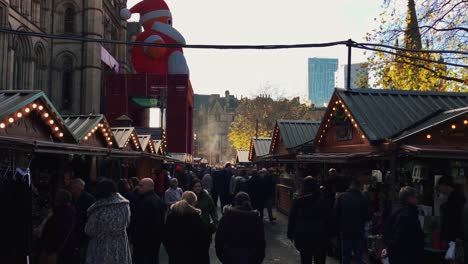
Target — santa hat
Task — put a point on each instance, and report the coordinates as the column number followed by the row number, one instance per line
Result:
column 148, row 10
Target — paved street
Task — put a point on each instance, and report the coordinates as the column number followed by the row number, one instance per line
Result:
column 279, row 249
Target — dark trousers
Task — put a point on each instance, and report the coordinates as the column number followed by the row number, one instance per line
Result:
column 269, row 206
column 318, row 256
column 225, row 199
column 145, row 255
column 215, row 196
column 352, row 249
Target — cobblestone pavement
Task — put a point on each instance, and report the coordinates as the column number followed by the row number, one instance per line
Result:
column 279, row 249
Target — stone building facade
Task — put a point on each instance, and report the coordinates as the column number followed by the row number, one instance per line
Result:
column 213, row 116
column 70, row 72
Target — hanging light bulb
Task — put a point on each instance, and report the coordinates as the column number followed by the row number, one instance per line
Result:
column 89, row 134
column 465, row 122
column 363, row 137
column 428, row 136
column 34, row 106
column 46, row 115
column 40, row 107
column 27, row 110
column 51, row 122
column 19, row 114
column 108, row 138
column 2, row 125
column 86, row 138
column 56, row 128
column 11, row 120
column 61, row 134
column 454, row 126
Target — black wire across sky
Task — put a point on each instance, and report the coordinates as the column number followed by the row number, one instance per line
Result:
column 349, row 43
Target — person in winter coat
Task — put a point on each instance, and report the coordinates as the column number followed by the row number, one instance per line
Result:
column 108, row 219
column 222, row 185
column 187, row 239
column 352, row 212
column 257, row 191
column 82, row 201
column 270, row 185
column 207, row 182
column 59, row 238
column 451, row 210
column 309, row 223
column 147, row 224
column 240, row 238
column 208, row 209
column 403, row 236
column 174, row 193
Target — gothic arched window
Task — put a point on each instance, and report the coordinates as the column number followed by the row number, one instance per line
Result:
column 67, row 83
column 69, row 20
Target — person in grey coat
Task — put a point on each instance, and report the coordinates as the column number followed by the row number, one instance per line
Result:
column 108, row 219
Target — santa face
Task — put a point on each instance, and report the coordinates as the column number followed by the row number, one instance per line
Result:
column 163, row 19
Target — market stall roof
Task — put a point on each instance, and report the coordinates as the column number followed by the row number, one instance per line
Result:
column 440, row 118
column 19, row 104
column 339, row 157
column 295, row 132
column 426, row 151
column 147, row 144
column 84, row 126
column 384, row 114
column 242, row 156
column 157, row 146
column 123, row 135
column 259, row 147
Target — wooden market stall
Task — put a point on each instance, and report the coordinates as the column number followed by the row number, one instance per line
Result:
column 388, row 139
column 259, row 147
column 290, row 137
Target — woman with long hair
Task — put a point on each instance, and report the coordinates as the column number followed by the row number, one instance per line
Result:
column 309, row 223
column 108, row 219
column 187, row 239
column 240, row 238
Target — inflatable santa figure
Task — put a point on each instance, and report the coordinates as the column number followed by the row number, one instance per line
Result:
column 156, row 20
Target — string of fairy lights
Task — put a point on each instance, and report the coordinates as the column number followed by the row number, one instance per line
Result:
column 49, row 117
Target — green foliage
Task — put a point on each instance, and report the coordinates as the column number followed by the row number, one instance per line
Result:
column 438, row 24
column 267, row 111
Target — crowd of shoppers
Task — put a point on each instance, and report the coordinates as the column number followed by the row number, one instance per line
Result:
column 129, row 222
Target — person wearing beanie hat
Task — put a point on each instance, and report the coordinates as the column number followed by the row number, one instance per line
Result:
column 156, row 19
column 240, row 237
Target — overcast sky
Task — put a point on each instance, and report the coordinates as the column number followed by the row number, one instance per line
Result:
column 266, row 22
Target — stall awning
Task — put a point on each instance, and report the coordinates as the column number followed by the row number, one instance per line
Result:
column 37, row 146
column 339, row 157
column 449, row 152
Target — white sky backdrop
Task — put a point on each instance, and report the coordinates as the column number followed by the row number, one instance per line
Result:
column 266, row 22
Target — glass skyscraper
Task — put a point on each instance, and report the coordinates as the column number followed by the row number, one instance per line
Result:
column 322, row 78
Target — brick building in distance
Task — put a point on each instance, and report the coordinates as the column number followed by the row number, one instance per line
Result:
column 213, row 116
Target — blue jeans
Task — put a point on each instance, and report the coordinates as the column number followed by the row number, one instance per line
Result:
column 352, row 249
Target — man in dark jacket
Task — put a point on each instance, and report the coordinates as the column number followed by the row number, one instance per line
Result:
column 403, row 235
column 352, row 213
column 309, row 223
column 147, row 225
column 222, row 184
column 257, row 190
column 451, row 210
column 82, row 201
column 240, row 238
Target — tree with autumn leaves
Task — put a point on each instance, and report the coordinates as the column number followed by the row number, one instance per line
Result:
column 263, row 112
column 422, row 25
